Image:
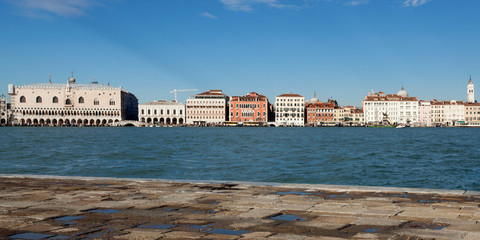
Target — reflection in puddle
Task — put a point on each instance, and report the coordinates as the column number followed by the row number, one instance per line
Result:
column 105, row 211
column 208, row 229
column 33, row 236
column 288, row 217
column 207, row 211
column 69, row 218
column 158, row 226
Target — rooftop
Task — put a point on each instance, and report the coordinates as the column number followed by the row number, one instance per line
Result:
column 290, row 95
column 162, row 102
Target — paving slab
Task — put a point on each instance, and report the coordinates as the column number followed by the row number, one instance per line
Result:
column 111, row 208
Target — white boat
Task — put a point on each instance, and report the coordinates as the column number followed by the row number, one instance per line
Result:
column 400, row 126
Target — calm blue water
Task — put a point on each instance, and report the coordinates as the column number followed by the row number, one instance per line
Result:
column 447, row 158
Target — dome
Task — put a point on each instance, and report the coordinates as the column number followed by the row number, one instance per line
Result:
column 314, row 99
column 402, row 93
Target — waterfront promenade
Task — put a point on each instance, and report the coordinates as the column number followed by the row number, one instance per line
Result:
column 37, row 207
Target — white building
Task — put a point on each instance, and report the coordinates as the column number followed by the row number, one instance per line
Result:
column 399, row 108
column 53, row 104
column 3, row 110
column 470, row 92
column 289, row 110
column 208, row 108
column 447, row 113
column 162, row 112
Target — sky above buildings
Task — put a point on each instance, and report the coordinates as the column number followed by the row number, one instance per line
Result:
column 339, row 48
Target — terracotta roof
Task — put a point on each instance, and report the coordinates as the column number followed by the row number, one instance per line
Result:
column 320, row 105
column 390, row 97
column 211, row 93
column 472, row 104
column 453, row 102
column 290, row 95
column 253, row 96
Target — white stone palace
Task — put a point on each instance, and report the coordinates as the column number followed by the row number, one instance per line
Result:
column 398, row 108
column 290, row 110
column 162, row 112
column 207, row 108
column 71, row 104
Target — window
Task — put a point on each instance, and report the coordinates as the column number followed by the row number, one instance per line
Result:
column 55, row 99
column 68, row 102
column 81, row 100
column 39, row 99
column 112, row 102
column 96, row 102
column 23, row 99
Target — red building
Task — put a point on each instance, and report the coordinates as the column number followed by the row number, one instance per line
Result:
column 252, row 108
column 320, row 113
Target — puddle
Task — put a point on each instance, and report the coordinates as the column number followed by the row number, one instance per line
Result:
column 208, row 211
column 158, row 226
column 225, row 231
column 202, row 226
column 405, row 195
column 105, row 211
column 293, row 193
column 428, row 201
column 370, row 230
column 61, row 237
column 208, row 229
column 33, row 236
column 338, row 196
column 419, row 225
column 288, row 217
column 69, row 218
column 98, row 234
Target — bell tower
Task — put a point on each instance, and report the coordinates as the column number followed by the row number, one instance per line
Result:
column 470, row 92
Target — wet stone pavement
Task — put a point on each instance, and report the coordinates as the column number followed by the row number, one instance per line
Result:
column 37, row 207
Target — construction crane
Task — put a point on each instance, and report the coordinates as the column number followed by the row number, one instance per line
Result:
column 184, row 90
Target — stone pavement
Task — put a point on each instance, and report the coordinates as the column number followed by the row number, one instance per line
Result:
column 47, row 207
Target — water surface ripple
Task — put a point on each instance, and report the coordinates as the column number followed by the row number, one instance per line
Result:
column 446, row 158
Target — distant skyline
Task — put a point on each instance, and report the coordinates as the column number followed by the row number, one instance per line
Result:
column 342, row 49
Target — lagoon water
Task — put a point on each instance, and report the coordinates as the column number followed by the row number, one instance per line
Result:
column 446, row 158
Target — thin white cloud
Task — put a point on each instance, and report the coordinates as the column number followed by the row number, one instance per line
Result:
column 49, row 8
column 414, row 3
column 247, row 5
column 208, row 15
column 354, row 3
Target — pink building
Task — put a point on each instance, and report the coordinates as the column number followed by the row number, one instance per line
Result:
column 425, row 113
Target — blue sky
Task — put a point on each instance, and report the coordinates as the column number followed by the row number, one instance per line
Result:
column 338, row 48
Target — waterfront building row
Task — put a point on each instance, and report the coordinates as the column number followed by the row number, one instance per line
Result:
column 381, row 108
column 97, row 104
